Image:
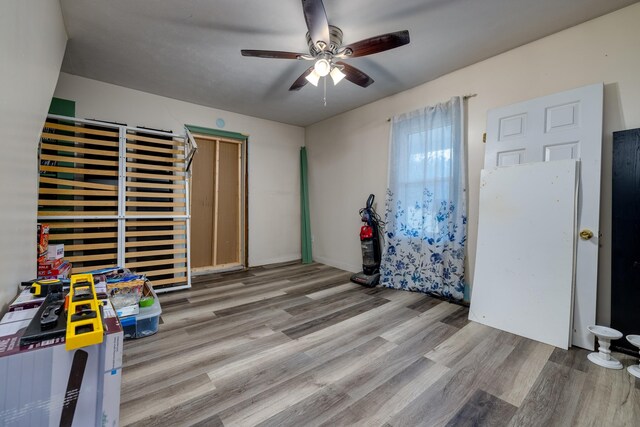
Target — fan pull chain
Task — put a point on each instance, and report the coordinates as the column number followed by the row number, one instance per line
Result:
column 325, row 91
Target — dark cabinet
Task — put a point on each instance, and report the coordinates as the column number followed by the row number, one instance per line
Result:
column 625, row 229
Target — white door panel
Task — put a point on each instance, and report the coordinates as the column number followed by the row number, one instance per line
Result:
column 565, row 125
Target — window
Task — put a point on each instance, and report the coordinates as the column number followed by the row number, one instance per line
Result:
column 426, row 173
column 425, row 230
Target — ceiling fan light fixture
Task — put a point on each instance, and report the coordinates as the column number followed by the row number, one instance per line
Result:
column 322, row 67
column 337, row 75
column 313, row 77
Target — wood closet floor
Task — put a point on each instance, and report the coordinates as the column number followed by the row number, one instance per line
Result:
column 299, row 345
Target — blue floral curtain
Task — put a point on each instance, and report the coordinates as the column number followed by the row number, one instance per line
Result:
column 426, row 214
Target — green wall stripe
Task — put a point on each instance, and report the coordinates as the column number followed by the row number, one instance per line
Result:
column 62, row 107
column 305, row 221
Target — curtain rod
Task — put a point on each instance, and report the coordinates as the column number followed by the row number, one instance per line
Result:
column 464, row 98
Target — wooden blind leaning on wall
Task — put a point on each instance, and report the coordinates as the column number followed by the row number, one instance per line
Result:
column 116, row 196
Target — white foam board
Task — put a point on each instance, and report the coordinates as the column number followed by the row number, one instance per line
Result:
column 524, row 273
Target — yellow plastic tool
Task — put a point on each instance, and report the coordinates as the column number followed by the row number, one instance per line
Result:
column 84, row 320
column 45, row 286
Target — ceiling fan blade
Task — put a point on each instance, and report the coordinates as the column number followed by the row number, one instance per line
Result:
column 276, row 54
column 302, row 80
column 317, row 23
column 354, row 75
column 378, row 43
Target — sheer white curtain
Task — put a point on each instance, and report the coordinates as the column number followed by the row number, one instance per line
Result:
column 426, row 214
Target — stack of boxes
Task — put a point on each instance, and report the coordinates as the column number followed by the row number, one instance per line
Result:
column 51, row 262
column 41, row 380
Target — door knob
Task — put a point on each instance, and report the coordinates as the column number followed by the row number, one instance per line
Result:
column 586, row 234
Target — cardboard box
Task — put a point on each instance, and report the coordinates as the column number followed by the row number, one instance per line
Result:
column 62, row 272
column 43, row 239
column 19, row 316
column 55, row 252
column 38, row 379
column 50, row 265
column 11, row 328
column 25, row 300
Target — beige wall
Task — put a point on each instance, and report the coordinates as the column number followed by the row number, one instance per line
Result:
column 274, row 183
column 32, row 43
column 348, row 153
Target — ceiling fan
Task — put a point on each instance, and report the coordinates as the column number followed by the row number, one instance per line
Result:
column 326, row 49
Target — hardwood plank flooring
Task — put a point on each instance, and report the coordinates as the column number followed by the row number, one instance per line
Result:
column 483, row 409
column 299, row 345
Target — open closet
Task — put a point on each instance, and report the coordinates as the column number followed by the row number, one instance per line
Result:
column 218, row 204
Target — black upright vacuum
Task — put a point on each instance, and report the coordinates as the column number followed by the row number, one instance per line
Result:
column 370, row 244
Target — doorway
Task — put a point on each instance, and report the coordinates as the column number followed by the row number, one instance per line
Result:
column 218, row 204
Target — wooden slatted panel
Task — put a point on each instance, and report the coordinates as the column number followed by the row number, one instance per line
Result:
column 155, row 176
column 85, row 224
column 103, row 203
column 68, row 149
column 93, row 257
column 50, row 137
column 78, row 184
column 78, row 270
column 162, row 186
column 79, row 160
column 154, row 194
column 90, row 247
column 79, row 177
column 156, row 167
column 72, row 192
column 90, row 235
column 156, row 181
column 134, row 265
column 45, row 214
column 88, row 244
column 156, row 232
column 168, row 283
column 148, row 253
column 143, row 148
column 78, row 170
column 180, row 224
column 158, row 249
column 171, row 159
column 156, row 273
column 157, row 204
column 156, row 242
column 141, row 136
column 82, row 129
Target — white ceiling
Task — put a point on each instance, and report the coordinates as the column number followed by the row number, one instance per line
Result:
column 190, row 49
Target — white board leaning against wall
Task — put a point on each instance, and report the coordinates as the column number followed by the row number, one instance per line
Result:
column 524, row 275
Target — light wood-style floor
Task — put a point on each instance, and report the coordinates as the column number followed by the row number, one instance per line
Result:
column 299, row 345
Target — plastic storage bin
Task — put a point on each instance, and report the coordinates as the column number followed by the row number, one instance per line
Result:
column 144, row 323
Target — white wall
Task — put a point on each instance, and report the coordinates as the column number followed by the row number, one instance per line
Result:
column 274, row 175
column 348, row 153
column 32, row 43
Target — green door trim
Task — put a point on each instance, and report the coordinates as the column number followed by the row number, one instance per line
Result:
column 216, row 132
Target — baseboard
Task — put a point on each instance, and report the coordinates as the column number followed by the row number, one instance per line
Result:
column 337, row 264
column 284, row 258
